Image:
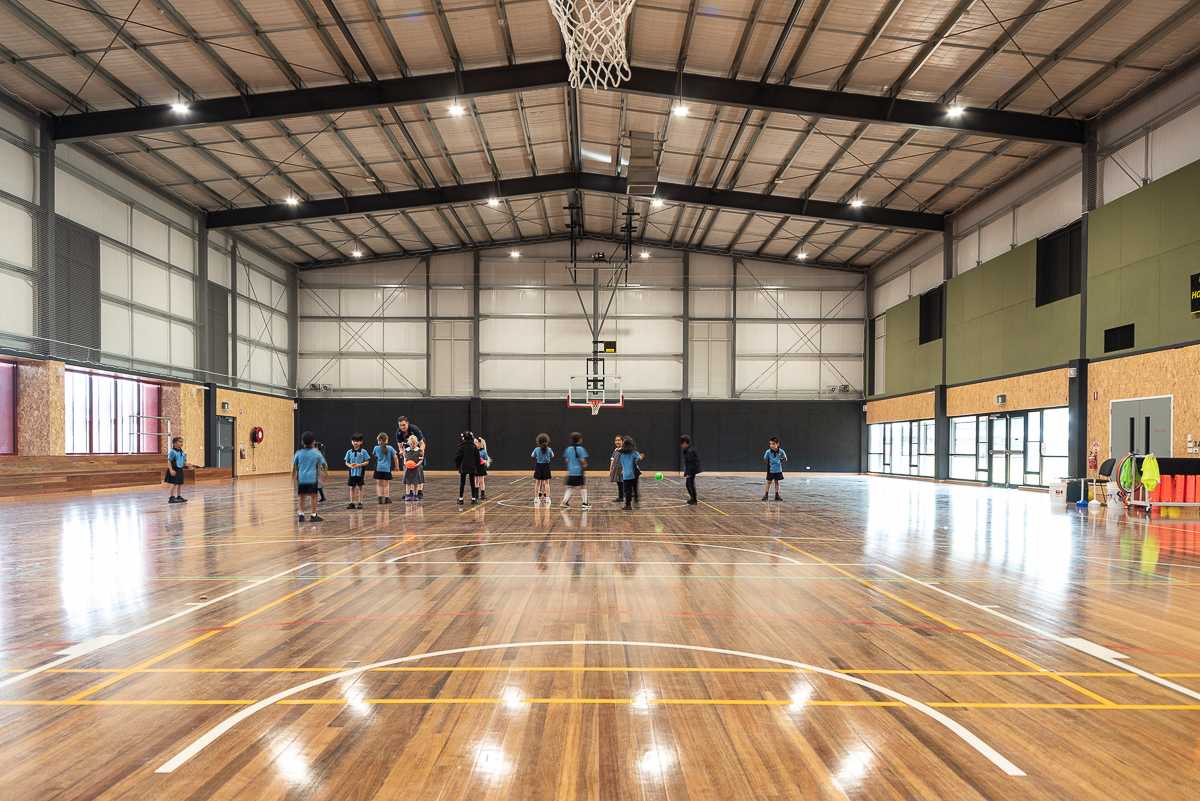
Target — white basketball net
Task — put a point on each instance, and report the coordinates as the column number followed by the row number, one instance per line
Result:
column 594, row 31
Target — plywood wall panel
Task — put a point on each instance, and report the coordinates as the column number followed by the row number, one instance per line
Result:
column 184, row 404
column 1174, row 372
column 1033, row 391
column 41, row 408
column 276, row 417
column 905, row 407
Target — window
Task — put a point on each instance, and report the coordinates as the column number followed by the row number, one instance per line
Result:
column 1060, row 264
column 8, row 408
column 904, row 448
column 1119, row 338
column 933, row 322
column 103, row 414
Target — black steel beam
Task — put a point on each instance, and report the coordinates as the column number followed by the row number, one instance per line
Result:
column 564, row 181
column 549, row 74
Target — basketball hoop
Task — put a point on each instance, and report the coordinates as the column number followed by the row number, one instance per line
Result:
column 594, row 32
column 596, row 404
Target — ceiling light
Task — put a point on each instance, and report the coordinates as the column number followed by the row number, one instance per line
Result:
column 645, row 254
column 802, row 255
column 456, row 110
column 681, row 110
column 493, row 201
column 180, row 107
column 516, row 254
column 856, row 203
column 357, row 254
column 955, row 110
column 656, row 203
column 292, row 201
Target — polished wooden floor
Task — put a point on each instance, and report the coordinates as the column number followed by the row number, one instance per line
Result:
column 866, row 638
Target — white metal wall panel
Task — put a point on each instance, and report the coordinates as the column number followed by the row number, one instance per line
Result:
column 403, row 337
column 1050, row 210
column 151, row 338
column 841, row 338
column 183, row 296
column 1123, row 171
column 645, row 337
column 18, row 171
column 966, row 253
column 452, row 269
column 151, row 284
column 114, row 271
column 407, row 375
column 656, row 375
column 1175, row 144
column 709, row 271
column 183, row 250
column 893, row 292
column 711, row 303
column 17, row 291
column 450, row 303
column 996, row 237
column 842, row 372
column 16, row 236
column 318, row 337
column 183, row 346
column 115, row 323
column 218, row 267
column 644, row 301
column 319, row 302
column 926, row 275
column 150, row 236
column 361, row 337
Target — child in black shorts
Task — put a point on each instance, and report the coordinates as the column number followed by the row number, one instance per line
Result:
column 356, row 460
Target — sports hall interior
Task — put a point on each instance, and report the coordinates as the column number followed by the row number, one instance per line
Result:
column 948, row 253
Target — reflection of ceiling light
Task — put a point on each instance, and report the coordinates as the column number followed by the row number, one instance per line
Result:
column 656, row 759
column 645, row 254
column 656, row 203
column 292, row 201
column 493, row 201
column 179, row 108
column 456, row 110
column 357, row 254
column 681, row 110
column 516, row 254
column 641, row 700
column 512, row 697
column 856, row 203
column 801, row 694
column 955, row 110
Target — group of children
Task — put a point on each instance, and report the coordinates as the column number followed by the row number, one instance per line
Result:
column 309, row 469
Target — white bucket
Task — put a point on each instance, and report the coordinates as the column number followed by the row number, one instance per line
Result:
column 1058, row 493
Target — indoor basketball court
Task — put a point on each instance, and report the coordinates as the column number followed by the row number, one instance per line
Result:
column 556, row 399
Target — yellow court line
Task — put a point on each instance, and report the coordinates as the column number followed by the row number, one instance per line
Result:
column 944, row 622
column 618, row 701
column 481, row 505
column 710, row 506
column 241, row 619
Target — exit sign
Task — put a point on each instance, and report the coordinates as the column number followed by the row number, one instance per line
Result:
column 1196, row 293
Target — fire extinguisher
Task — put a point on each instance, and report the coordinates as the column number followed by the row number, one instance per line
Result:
column 1092, row 460
column 242, row 450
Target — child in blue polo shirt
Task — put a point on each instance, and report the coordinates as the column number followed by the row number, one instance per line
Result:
column 356, row 459
column 576, row 458
column 542, row 455
column 774, row 457
column 176, row 462
column 307, row 464
column 385, row 459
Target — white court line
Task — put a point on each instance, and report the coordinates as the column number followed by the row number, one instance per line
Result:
column 994, row 756
column 94, row 644
column 591, row 562
column 1077, row 643
column 645, row 542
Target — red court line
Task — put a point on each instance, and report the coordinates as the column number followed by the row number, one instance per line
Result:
column 46, row 645
column 596, row 612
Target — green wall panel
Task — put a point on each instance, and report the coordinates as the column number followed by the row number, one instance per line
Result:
column 1143, row 249
column 910, row 366
column 995, row 327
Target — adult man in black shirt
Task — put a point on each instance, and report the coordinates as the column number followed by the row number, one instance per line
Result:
column 404, row 430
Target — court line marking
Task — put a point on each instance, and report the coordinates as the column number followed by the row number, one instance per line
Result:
column 1077, row 643
column 643, row 542
column 217, row 631
column 475, row 506
column 965, row 734
column 1052, row 674
column 710, row 506
column 570, row 669
column 88, row 646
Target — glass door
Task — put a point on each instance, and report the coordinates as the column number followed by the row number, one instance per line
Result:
column 1006, row 452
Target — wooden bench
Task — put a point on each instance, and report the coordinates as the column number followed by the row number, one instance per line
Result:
column 23, row 477
column 207, row 474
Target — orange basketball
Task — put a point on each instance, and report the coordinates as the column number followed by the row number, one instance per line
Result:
column 410, row 464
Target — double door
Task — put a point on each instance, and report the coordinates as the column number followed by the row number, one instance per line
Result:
column 1140, row 426
column 1006, row 449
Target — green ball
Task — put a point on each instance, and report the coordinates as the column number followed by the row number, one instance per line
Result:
column 658, row 476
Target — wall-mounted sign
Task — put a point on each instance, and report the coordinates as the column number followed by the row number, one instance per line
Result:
column 610, row 345
column 1196, row 293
